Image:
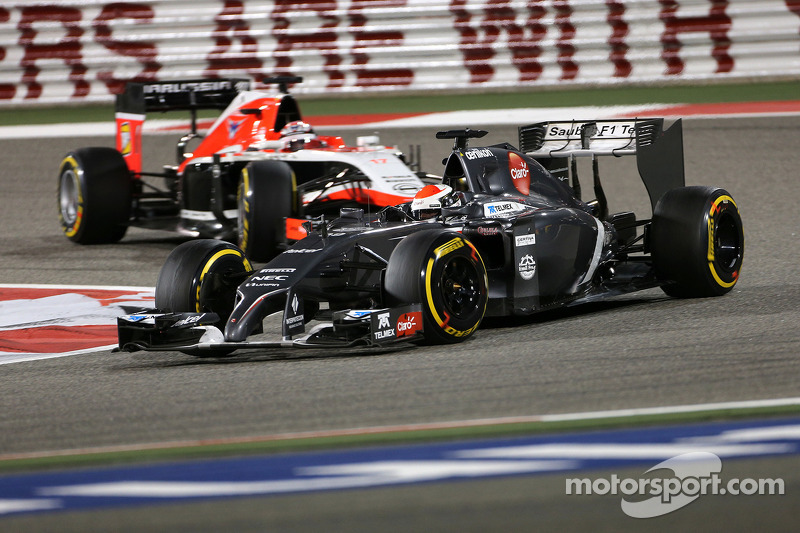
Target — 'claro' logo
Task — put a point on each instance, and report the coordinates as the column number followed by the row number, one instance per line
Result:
column 409, row 323
column 520, row 173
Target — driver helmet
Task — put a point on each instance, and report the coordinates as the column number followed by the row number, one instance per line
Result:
column 296, row 127
column 297, row 135
column 430, row 200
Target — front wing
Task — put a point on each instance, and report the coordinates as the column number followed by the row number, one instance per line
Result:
column 199, row 333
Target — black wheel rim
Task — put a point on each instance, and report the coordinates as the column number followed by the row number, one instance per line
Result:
column 727, row 243
column 218, row 287
column 461, row 287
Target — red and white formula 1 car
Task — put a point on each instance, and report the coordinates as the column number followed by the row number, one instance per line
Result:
column 257, row 174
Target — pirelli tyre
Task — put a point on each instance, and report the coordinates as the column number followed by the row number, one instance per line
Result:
column 267, row 195
column 201, row 276
column 697, row 242
column 95, row 192
column 444, row 272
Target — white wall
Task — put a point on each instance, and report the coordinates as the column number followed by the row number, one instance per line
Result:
column 81, row 51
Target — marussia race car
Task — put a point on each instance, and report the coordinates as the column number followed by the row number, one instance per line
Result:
column 254, row 177
column 507, row 237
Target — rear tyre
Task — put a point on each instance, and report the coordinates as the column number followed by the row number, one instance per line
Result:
column 697, row 242
column 267, row 195
column 201, row 276
column 445, row 273
column 95, row 194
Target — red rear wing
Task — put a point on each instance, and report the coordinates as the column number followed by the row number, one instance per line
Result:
column 179, row 95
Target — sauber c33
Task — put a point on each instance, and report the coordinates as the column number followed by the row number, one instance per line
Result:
column 505, row 232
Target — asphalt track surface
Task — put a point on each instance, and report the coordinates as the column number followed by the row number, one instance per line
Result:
column 638, row 351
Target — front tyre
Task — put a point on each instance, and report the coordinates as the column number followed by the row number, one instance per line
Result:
column 697, row 242
column 201, row 276
column 95, row 193
column 444, row 272
column 266, row 197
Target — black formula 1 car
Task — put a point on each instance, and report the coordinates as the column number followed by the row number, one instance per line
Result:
column 253, row 178
column 505, row 233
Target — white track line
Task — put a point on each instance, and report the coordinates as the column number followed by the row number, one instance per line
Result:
column 589, row 415
column 450, row 118
column 23, row 357
column 471, row 118
column 75, row 287
column 444, row 119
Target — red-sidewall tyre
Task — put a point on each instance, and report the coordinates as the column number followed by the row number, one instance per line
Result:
column 443, row 271
column 267, row 195
column 95, row 195
column 697, row 242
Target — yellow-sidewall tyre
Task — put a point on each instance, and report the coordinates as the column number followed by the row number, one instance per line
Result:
column 266, row 196
column 443, row 271
column 95, row 195
column 201, row 276
column 697, row 242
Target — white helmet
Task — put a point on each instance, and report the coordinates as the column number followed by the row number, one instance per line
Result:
column 297, row 135
column 430, row 200
column 297, row 127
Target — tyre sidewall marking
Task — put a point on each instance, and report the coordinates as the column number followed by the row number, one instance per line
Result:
column 438, row 253
column 207, row 266
column 712, row 228
column 295, row 199
column 429, row 294
column 244, row 193
column 70, row 231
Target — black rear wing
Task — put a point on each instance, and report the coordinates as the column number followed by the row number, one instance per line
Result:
column 659, row 152
column 179, row 95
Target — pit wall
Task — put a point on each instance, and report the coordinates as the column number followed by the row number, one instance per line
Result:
column 83, row 51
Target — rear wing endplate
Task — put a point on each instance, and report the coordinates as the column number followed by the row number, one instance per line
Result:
column 659, row 152
column 138, row 98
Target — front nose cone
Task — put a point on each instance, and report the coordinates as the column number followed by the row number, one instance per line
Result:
column 250, row 311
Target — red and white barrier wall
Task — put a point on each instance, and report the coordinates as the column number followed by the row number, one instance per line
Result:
column 84, row 50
